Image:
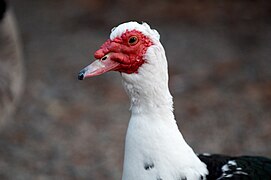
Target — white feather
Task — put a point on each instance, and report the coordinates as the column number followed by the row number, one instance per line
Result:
column 144, row 28
column 153, row 136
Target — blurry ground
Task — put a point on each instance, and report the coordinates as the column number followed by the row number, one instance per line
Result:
column 220, row 68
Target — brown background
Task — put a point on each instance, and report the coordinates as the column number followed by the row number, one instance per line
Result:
column 220, row 77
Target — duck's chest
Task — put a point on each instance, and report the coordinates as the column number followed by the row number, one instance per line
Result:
column 155, row 150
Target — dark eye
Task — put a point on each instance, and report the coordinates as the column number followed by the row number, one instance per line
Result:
column 133, row 40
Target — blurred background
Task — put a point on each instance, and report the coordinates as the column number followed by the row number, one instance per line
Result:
column 220, row 77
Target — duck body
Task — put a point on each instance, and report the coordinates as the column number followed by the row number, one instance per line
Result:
column 154, row 147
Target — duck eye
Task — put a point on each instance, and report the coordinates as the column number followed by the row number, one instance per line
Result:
column 133, row 40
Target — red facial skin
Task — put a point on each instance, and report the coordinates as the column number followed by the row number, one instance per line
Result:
column 130, row 56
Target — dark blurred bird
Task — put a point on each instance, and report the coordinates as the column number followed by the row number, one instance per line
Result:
column 11, row 67
column 155, row 148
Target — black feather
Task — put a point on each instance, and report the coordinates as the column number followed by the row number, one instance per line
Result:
column 3, row 7
column 239, row 168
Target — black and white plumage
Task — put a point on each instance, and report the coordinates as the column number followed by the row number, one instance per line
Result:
column 155, row 148
column 11, row 65
column 241, row 167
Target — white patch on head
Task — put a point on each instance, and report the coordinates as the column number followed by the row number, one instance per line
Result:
column 206, row 154
column 231, row 168
column 144, row 28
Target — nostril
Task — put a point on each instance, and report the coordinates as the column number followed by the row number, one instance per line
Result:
column 81, row 75
column 104, row 58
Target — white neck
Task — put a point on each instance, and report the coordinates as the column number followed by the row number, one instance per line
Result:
column 155, row 148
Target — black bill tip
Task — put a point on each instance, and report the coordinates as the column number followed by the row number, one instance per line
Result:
column 81, row 74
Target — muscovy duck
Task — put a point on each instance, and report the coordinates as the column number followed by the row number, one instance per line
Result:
column 154, row 147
